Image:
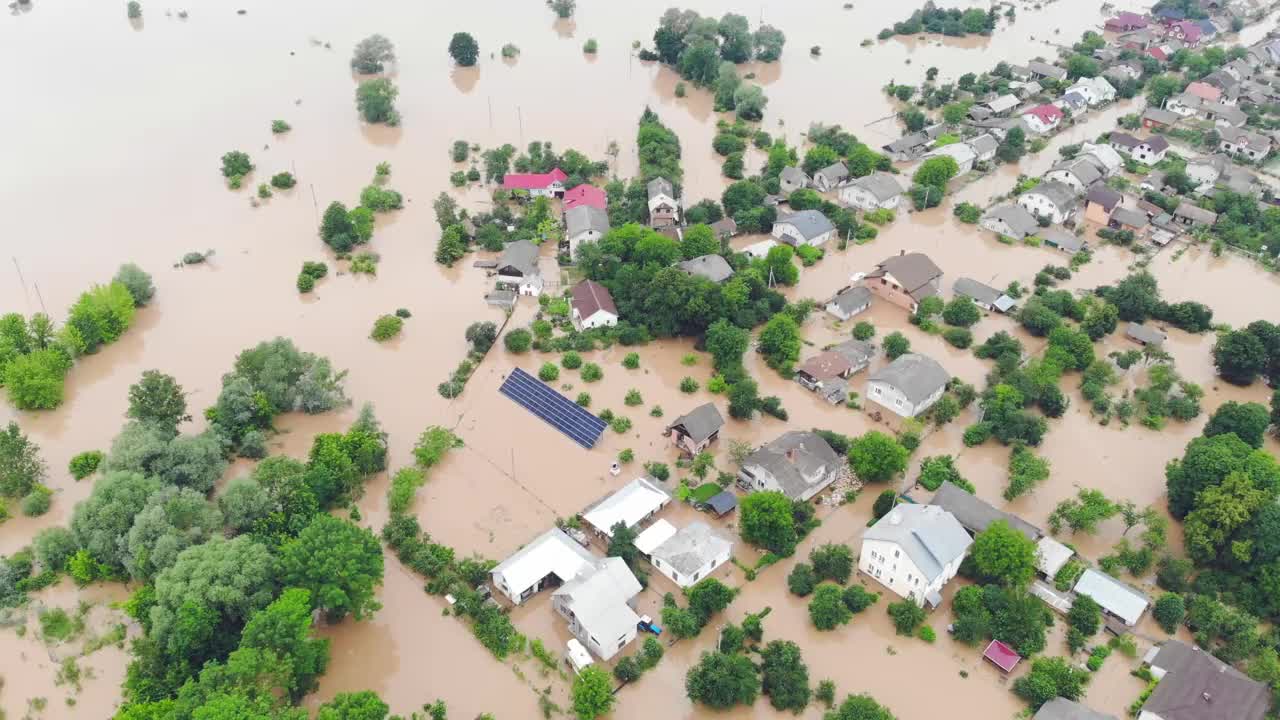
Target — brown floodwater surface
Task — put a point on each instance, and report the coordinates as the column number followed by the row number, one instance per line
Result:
column 111, row 155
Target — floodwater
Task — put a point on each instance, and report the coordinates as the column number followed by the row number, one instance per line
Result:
column 120, row 165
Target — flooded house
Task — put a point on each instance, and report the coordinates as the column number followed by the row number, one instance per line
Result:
column 1190, row 215
column 1078, row 174
column 724, row 228
column 798, row 463
column 905, row 280
column 712, row 267
column 1002, row 105
column 592, row 306
column 849, row 302
column 914, row 551
column 664, row 208
column 1118, row 600
column 632, row 504
column 1050, row 199
column 1148, row 152
column 588, row 195
column 984, row 296
column 517, row 269
column 1199, row 686
column 984, row 147
column 1145, row 335
column 792, row 179
column 1042, row 119
column 1011, row 221
column 1060, row 708
column 1133, row 221
column 548, row 184
column 694, row 431
column 827, row 372
column 961, row 152
column 1126, row 22
column 913, row 145
column 1042, row 70
column 830, row 177
column 877, row 191
column 1100, row 203
column 1243, row 143
column 599, row 606
column 686, row 555
column 975, row 514
column 1095, row 90
column 909, row 385
column 549, row 560
column 807, row 227
column 1063, row 240
column 583, row 224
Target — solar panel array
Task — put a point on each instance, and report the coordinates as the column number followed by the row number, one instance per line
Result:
column 557, row 410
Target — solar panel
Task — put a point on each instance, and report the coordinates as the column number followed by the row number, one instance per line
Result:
column 557, row 410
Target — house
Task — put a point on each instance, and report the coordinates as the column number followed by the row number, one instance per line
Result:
column 960, row 152
column 686, row 555
column 1002, row 656
column 724, row 228
column 518, row 269
column 1042, row 118
column 1190, row 215
column 553, row 558
column 720, row 504
column 1243, row 142
column 1184, row 105
column 1095, row 90
column 1149, row 151
column 823, row 368
column 712, row 267
column 1134, row 221
column 1157, row 119
column 584, row 224
column 592, row 306
column 849, row 302
column 792, row 179
column 1126, row 22
column 1001, row 105
column 760, row 250
column 1225, row 116
column 1025, row 90
column 830, row 177
column 664, row 209
column 1100, row 203
column 1137, row 40
column 694, row 431
column 1117, row 599
column 1061, row 708
column 1240, row 69
column 807, row 227
column 905, row 279
column 975, row 514
column 1204, row 91
column 1050, row 199
column 1205, row 171
column 1185, row 30
column 1019, row 72
column 913, row 145
column 631, row 505
column 1040, row 70
column 1077, row 174
column 909, row 385
column 798, row 463
column 1145, row 335
column 914, row 551
column 549, row 184
column 877, row 191
column 1104, row 157
column 1072, row 102
column 598, row 605
column 1168, row 15
column 585, row 195
column 983, row 295
column 857, row 353
column 1207, row 28
column 1155, row 182
column 1199, row 686
column 984, row 147
column 1059, row 239
column 1121, row 72
column 1010, row 221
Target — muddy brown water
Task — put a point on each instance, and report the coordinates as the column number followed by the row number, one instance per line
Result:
column 133, row 138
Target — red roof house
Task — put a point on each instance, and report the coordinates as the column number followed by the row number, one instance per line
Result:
column 586, row 195
column 1001, row 655
column 1186, row 31
column 1204, row 91
column 1126, row 22
column 551, row 183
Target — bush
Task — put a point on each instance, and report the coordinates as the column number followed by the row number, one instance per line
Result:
column 926, row 634
column 857, row 599
column 375, row 99
column 548, row 372
column 591, row 372
column 884, row 503
column 85, row 464
column 631, row 361
column 464, row 49
column 386, row 327
column 316, row 270
column 801, row 580
column 832, row 562
column 37, row 502
column 571, row 360
column 305, row 283
column 958, row 337
column 688, row 385
column 896, row 345
column 977, row 434
column 864, row 331
column 518, row 340
column 1169, row 611
column 236, row 163
column 633, row 398
column 906, row 616
column 137, row 282
column 584, row 400
column 133, row 9
column 827, row 610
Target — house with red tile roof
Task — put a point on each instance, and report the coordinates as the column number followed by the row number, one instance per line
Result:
column 550, row 184
column 1187, row 31
column 1204, row 91
column 586, row 195
column 1042, row 118
column 1126, row 22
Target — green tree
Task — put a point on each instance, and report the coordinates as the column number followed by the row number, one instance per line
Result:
column 172, row 520
column 1013, row 147
column 53, row 547
column 860, row 707
column 158, row 398
column 784, row 676
column 138, row 282
column 906, row 616
column 1101, row 321
column 885, row 502
column 283, row 628
column 699, row 240
column 801, row 580
column 707, row 597
column 1083, row 513
column 827, row 610
column 363, row 705
column 721, row 681
column 376, row 101
column 340, row 564
column 972, row 618
column 780, row 342
column 766, row 521
column 35, row 381
column 101, row 315
column 372, row 54
column 936, row 172
column 1161, row 88
column 938, row 469
column 961, row 312
column 1051, row 677
column 21, row 468
column 1220, row 511
column 832, row 562
column 727, row 342
column 1239, row 357
column 1004, row 554
column 244, row 503
column 336, row 228
column 464, row 49
column 1248, row 421
column 102, row 521
column 1207, row 461
column 592, row 694
column 876, row 457
column 896, row 345
column 1085, row 616
column 744, row 399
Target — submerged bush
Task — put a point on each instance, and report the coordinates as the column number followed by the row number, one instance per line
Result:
column 386, row 327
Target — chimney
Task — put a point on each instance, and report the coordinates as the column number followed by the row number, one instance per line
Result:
column 902, row 252
column 1207, row 697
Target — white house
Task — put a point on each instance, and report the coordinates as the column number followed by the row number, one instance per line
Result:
column 799, row 464
column 592, row 306
column 849, row 302
column 792, row 179
column 1117, row 599
column 877, row 191
column 553, row 558
column 1010, row 221
column 1095, row 90
column 1105, row 156
column 664, row 208
column 909, row 385
column 518, row 269
column 1205, row 171
column 807, row 227
column 960, row 152
column 548, row 184
column 914, row 551
column 1149, row 151
column 984, row 147
column 583, row 224
column 1077, row 174
column 1050, row 199
column 1042, row 118
column 1246, row 143
column 686, row 555
column 830, row 177
column 598, row 605
column 634, row 503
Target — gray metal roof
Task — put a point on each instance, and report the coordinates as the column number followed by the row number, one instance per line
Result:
column 915, row 375
column 1195, row 214
column 914, row 270
column 1104, row 196
column 1059, row 238
column 584, row 218
column 1145, row 334
column 1021, row 222
column 1084, row 171
column 880, row 184
column 712, row 267
column 692, row 547
column 1132, row 218
column 857, row 352
column 1061, row 195
column 661, row 186
column 722, row 502
column 976, row 514
column 809, row 223
column 797, row 460
column 984, row 144
column 929, row 535
column 520, row 255
column 794, row 176
column 852, row 298
column 699, row 423
column 1114, row 596
column 1063, row 709
column 834, row 173
column 980, row 292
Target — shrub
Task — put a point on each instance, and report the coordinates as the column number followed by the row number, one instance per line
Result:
column 977, row 434
column 236, row 163
column 857, row 599
column 85, row 464
column 509, row 51
column 906, row 616
column 591, row 372
column 658, row 470
column 926, row 634
column 896, row 345
column 631, row 361
column 801, row 580
column 37, row 502
column 590, row 46
column 958, row 337
column 305, row 283
column 133, row 9
column 832, row 562
column 620, row 424
column 827, row 610
column 688, row 385
column 864, row 331
column 548, row 372
column 518, row 340
column 375, row 99
column 633, row 398
column 884, row 503
column 386, row 327
column 626, row 456
column 584, row 399
column 1169, row 611
column 138, row 282
column 571, row 360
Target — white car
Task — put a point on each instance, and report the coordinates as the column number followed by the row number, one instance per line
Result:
column 577, row 656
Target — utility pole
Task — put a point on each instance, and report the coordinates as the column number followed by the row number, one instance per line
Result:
column 22, row 280
column 315, row 203
column 43, row 309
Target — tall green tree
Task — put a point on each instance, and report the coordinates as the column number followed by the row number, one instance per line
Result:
column 21, row 467
column 464, row 49
column 340, row 564
column 1248, row 421
column 592, row 694
column 876, row 457
column 721, row 681
column 766, row 521
column 158, row 398
column 784, row 676
column 1004, row 554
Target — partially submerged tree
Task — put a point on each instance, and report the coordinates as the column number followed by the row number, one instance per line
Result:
column 372, row 55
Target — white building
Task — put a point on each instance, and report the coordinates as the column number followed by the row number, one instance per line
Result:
column 807, row 227
column 592, row 306
column 686, row 555
column 553, row 558
column 1050, row 199
column 634, row 503
column 1104, row 156
column 1095, row 90
column 584, row 224
column 914, row 551
column 1042, row 119
column 1117, row 599
column 877, row 191
column 962, row 153
column 518, row 269
column 1077, row 174
column 909, row 385
column 598, row 605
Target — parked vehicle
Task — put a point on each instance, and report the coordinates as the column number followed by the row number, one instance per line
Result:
column 646, row 624
column 576, row 656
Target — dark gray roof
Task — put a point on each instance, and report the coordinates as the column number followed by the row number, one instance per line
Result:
column 699, row 423
column 1199, row 686
column 914, row 375
column 980, row 292
column 1104, row 196
column 852, row 298
column 520, row 255
column 880, row 184
column 809, row 223
column 834, row 173
column 1145, row 334
column 797, row 460
column 1064, row 709
column 1061, row 195
column 1164, row 117
column 712, row 267
column 976, row 514
column 1133, row 218
column 929, row 535
column 1059, row 238
column 1124, row 140
column 661, row 186
column 725, row 227
column 1040, row 68
column 857, row 352
column 722, row 502
column 914, row 270
column 1195, row 213
column 584, row 218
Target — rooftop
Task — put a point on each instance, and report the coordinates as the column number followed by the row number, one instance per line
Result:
column 880, row 184
column 1199, row 686
column 699, row 423
column 914, row 375
column 585, row 218
column 632, row 503
column 521, row 256
column 532, row 181
column 712, row 267
column 590, row 297
column 809, row 223
column 551, row 552
column 692, row 547
column 929, row 535
column 1114, row 596
column 599, row 597
column 798, row 460
column 1061, row 708
column 976, row 514
column 913, row 270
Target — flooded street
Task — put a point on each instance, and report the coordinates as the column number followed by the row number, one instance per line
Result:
column 118, row 162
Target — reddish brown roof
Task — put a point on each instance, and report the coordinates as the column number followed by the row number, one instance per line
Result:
column 1001, row 655
column 825, row 366
column 1048, row 114
column 586, row 195
column 590, row 297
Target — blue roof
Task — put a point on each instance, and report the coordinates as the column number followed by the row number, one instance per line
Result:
column 557, row 410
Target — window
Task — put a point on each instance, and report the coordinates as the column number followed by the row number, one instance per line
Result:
column 622, row 641
column 695, row 576
column 594, row 641
column 898, row 402
column 908, row 577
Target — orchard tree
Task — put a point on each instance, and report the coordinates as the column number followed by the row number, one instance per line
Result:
column 1004, row 554
column 876, row 457
column 340, row 563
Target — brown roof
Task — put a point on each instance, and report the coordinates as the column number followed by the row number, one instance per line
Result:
column 913, row 270
column 1199, row 686
column 825, row 366
column 1104, row 196
column 590, row 297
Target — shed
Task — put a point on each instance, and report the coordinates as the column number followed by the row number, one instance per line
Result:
column 1051, row 555
column 630, row 505
column 1145, row 335
column 1116, row 598
column 1001, row 655
column 712, row 267
column 722, row 503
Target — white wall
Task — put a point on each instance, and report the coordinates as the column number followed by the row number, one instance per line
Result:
column 685, row 581
column 1037, row 204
